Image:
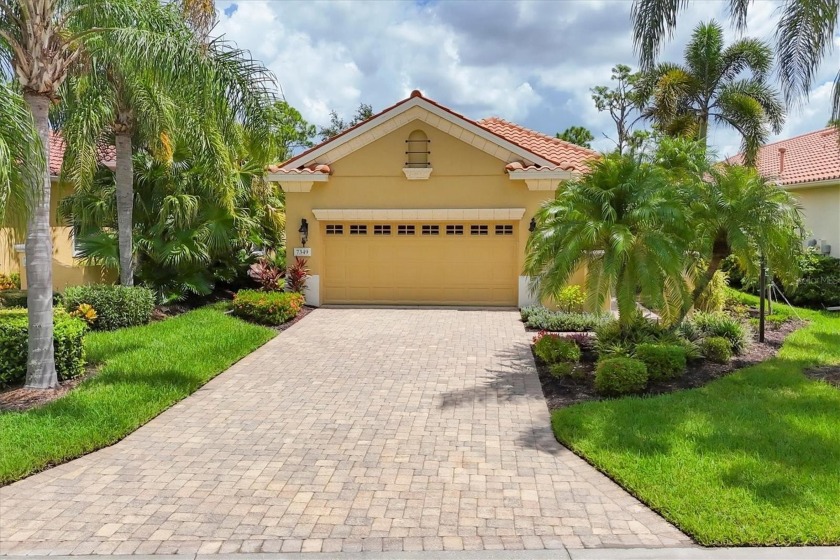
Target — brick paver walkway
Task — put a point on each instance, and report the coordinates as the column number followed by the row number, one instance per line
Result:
column 356, row 429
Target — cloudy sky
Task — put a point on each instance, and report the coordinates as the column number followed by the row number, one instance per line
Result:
column 530, row 62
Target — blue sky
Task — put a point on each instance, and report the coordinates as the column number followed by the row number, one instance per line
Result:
column 530, row 62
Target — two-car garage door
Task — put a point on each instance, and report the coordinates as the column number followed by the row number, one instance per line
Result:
column 420, row 263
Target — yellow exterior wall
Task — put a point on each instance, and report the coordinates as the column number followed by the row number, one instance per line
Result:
column 371, row 177
column 66, row 269
column 821, row 207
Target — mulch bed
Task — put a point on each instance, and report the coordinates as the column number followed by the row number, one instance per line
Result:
column 565, row 392
column 18, row 398
column 829, row 374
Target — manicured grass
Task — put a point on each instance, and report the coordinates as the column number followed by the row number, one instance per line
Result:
column 144, row 371
column 750, row 459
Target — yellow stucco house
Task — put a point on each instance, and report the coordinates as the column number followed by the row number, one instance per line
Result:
column 67, row 269
column 809, row 167
column 419, row 205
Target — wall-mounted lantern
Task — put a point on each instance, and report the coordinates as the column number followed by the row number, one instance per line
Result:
column 303, row 230
column 533, row 225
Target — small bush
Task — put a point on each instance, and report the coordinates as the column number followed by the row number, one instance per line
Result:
column 734, row 330
column 13, row 298
column 571, row 298
column 614, row 339
column 296, row 276
column 561, row 369
column 714, row 296
column 7, row 283
column 268, row 308
column 663, row 361
column 561, row 321
column 552, row 348
column 116, row 306
column 820, row 282
column 717, row 349
column 68, row 333
column 619, row 376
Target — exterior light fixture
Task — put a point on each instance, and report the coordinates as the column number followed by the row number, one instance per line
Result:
column 533, row 225
column 303, row 230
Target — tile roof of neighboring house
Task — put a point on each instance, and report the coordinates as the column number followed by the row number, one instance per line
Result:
column 107, row 154
column 564, row 155
column 807, row 158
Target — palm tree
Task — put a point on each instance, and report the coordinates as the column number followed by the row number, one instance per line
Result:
column 804, row 35
column 736, row 212
column 709, row 87
column 20, row 157
column 624, row 223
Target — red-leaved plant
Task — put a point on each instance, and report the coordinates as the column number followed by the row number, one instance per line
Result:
column 296, row 276
column 268, row 276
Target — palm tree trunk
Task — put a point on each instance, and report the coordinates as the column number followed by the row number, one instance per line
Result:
column 720, row 251
column 125, row 207
column 40, row 369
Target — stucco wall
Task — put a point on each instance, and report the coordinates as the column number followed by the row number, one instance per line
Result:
column 463, row 176
column 821, row 207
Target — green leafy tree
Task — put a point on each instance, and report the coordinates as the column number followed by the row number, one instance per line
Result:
column 624, row 107
column 288, row 131
column 621, row 221
column 578, row 135
column 709, row 88
column 337, row 124
column 804, row 36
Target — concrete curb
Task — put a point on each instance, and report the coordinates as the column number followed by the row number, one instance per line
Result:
column 755, row 553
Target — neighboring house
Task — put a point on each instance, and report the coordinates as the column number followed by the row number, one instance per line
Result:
column 421, row 205
column 809, row 167
column 67, row 270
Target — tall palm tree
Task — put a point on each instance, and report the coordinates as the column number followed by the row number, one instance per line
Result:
column 804, row 36
column 734, row 211
column 624, row 223
column 41, row 42
column 21, row 161
column 710, row 88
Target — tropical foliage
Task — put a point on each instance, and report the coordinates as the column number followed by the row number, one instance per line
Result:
column 804, row 36
column 717, row 84
column 579, row 135
column 20, row 165
column 338, row 125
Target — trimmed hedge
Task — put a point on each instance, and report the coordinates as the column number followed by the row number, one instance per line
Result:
column 13, row 298
column 68, row 333
column 663, row 361
column 717, row 349
column 618, row 376
column 116, row 306
column 268, row 308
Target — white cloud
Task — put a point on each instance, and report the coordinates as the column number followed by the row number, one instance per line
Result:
column 532, row 62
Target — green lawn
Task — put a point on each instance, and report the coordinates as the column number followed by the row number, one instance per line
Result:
column 750, row 459
column 144, row 371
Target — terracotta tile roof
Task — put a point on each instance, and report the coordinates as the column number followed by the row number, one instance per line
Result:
column 566, row 155
column 107, row 154
column 315, row 169
column 807, row 158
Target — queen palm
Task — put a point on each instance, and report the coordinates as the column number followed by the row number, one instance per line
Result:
column 717, row 84
column 625, row 225
column 20, row 157
column 804, row 35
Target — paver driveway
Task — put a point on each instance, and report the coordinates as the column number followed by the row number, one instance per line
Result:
column 356, row 429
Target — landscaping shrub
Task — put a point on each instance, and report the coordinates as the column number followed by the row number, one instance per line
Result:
column 13, row 298
column 269, row 308
column 115, row 306
column 619, row 376
column 7, row 283
column 267, row 275
column 663, row 361
column 561, row 369
column 717, row 349
column 714, row 296
column 296, row 276
column 571, row 298
column 613, row 339
column 561, row 321
column 552, row 348
column 67, row 339
column 734, row 330
column 820, row 282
